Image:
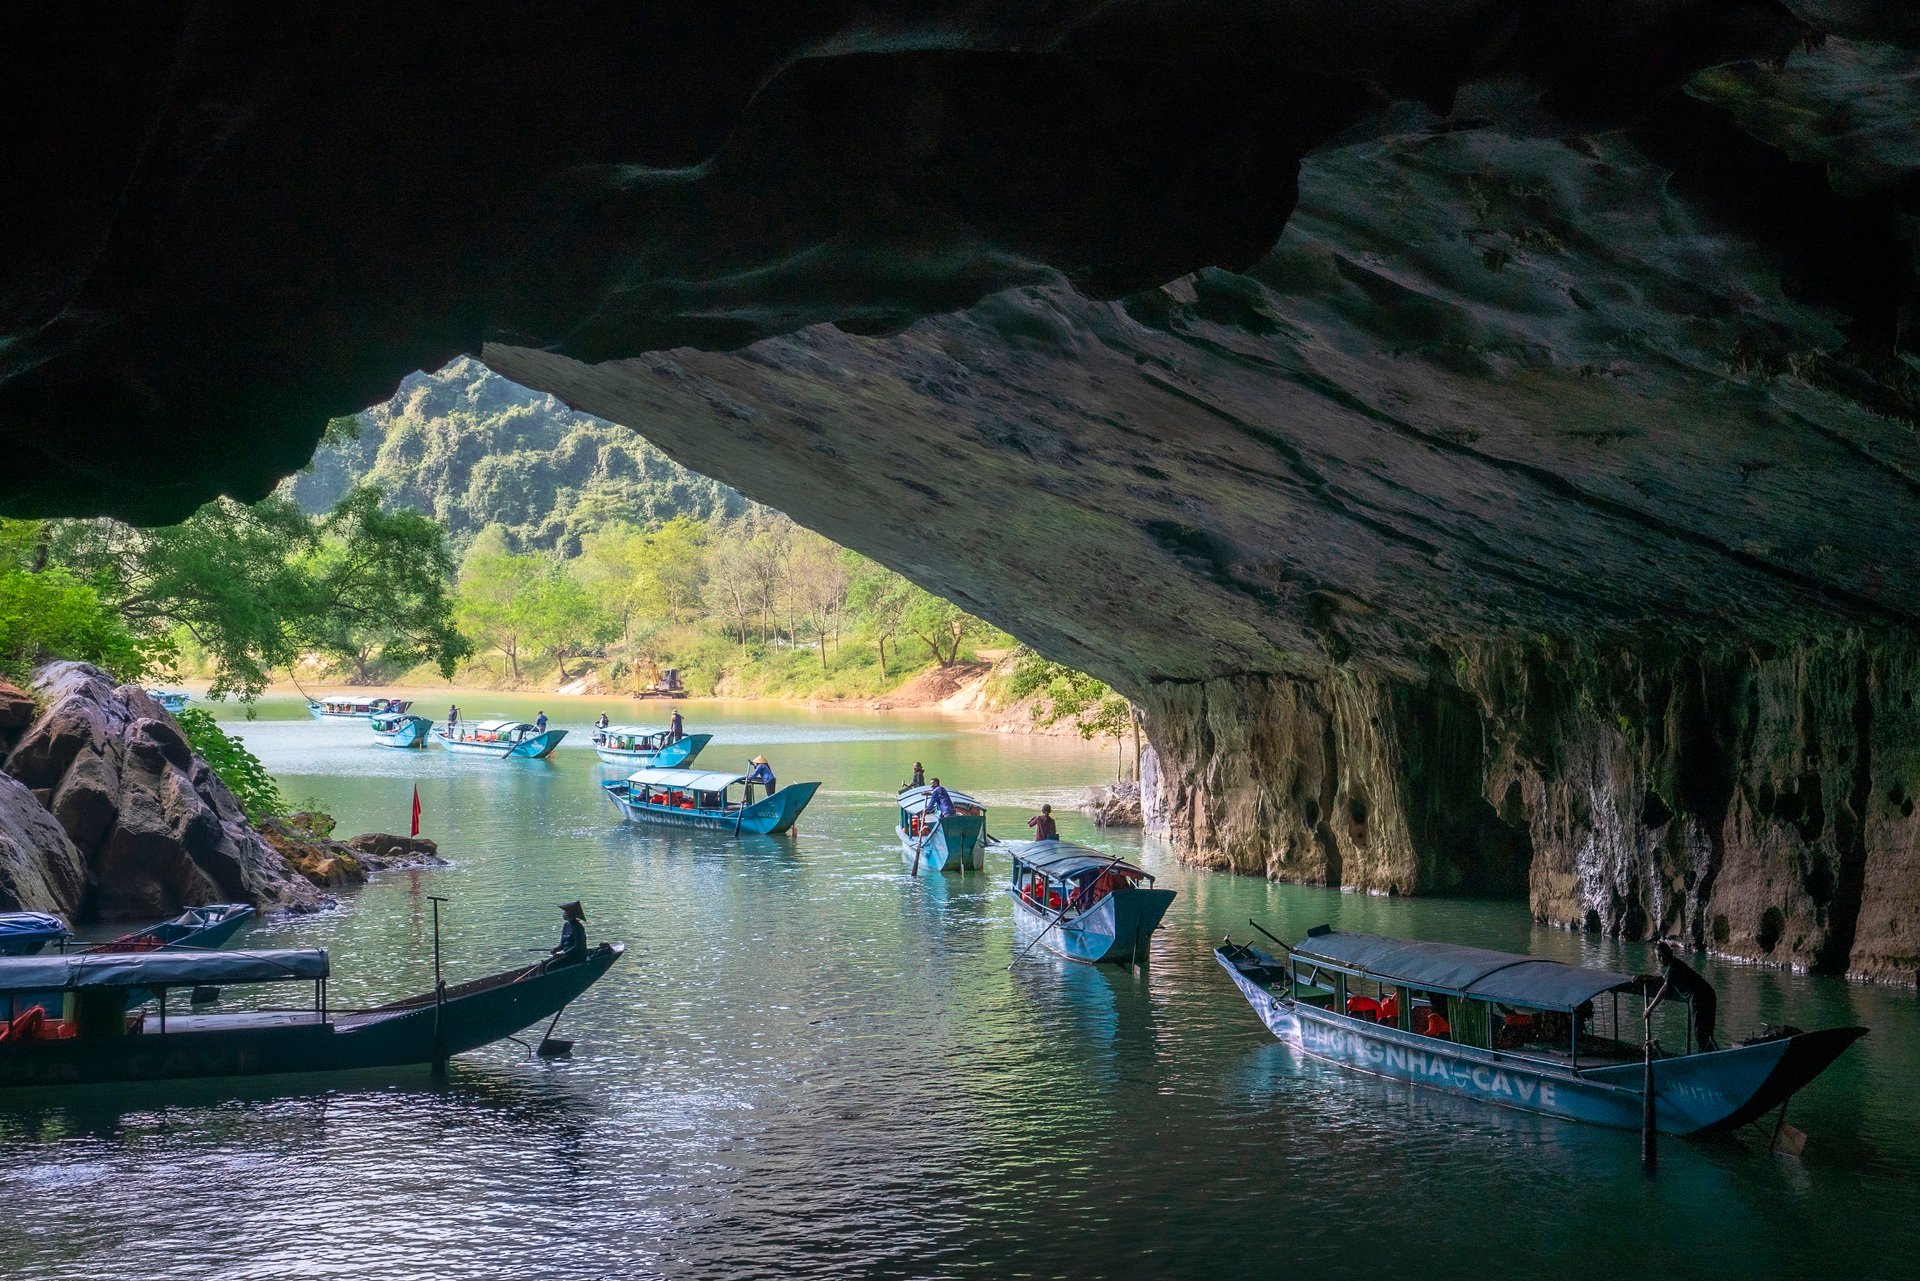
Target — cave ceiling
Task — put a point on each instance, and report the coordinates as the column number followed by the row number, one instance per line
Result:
column 1180, row 338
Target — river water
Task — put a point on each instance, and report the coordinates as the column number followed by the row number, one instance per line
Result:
column 808, row 1064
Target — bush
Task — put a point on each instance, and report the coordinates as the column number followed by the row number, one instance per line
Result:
column 52, row 614
column 235, row 766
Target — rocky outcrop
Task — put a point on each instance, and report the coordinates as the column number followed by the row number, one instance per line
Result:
column 382, row 851
column 145, row 824
column 40, row 870
column 1112, row 805
column 1757, row 801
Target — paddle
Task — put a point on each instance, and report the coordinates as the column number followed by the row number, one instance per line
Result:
column 1270, row 934
column 550, row 1048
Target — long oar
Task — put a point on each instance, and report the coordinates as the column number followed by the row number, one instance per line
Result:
column 1062, row 915
column 919, row 845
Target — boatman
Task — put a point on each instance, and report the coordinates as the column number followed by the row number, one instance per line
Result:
column 573, row 935
column 540, row 723
column 1679, row 978
column 940, row 799
column 919, row 775
column 1044, row 828
column 602, row 722
column 453, row 716
column 676, row 730
column 760, row 773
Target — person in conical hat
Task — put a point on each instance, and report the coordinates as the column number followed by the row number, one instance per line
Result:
column 760, row 773
column 573, row 933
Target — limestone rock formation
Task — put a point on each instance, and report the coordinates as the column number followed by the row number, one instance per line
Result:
column 1479, row 435
column 145, row 824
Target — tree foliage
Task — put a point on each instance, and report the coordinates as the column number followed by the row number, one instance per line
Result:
column 1063, row 693
column 243, row 773
column 47, row 611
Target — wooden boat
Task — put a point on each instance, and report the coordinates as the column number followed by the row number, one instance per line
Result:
column 1082, row 904
column 1513, row 1030
column 108, row 1039
column 25, row 933
column 172, row 700
column 647, row 746
column 508, row 740
column 354, row 706
column 934, row 842
column 209, row 926
column 702, row 798
column 400, row 729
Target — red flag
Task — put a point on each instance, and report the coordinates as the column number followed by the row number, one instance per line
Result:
column 416, row 810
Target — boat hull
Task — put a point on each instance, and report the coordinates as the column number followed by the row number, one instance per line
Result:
column 768, row 816
column 536, row 748
column 953, row 844
column 677, row 754
column 411, row 734
column 229, row 1045
column 1692, row 1095
column 1117, row 928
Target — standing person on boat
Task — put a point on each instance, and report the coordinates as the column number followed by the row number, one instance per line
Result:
column 940, row 799
column 540, row 723
column 453, row 716
column 573, row 935
column 676, row 730
column 1677, row 977
column 760, row 773
column 1044, row 828
column 919, row 775
column 602, row 722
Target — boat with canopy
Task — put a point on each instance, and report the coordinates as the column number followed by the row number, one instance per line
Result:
column 103, row 1036
column 934, row 841
column 1083, row 904
column 1514, row 1030
column 203, row 928
column 509, row 740
column 647, row 746
column 354, row 706
column 401, row 729
column 172, row 700
column 704, row 798
column 25, row 933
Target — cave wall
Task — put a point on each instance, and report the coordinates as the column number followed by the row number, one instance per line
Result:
column 1755, row 801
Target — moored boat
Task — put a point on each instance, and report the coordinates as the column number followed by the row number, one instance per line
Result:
column 933, row 841
column 1082, row 904
column 704, row 798
column 172, row 700
column 210, row 926
column 509, row 740
column 1513, row 1030
column 25, row 933
column 400, row 729
column 108, row 1039
column 647, row 746
column 354, row 706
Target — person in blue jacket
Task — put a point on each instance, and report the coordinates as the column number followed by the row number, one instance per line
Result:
column 573, row 934
column 761, row 772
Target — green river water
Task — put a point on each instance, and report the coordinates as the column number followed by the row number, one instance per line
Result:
column 810, row 1064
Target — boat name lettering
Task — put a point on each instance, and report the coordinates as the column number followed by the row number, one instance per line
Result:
column 1412, row 1063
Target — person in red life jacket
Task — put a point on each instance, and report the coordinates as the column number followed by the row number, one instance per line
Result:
column 1044, row 828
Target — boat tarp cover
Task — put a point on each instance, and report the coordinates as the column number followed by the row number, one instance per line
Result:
column 164, row 968
column 31, row 925
column 1478, row 972
column 1060, row 859
column 687, row 780
column 914, row 799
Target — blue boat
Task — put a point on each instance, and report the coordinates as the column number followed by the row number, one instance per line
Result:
column 933, row 841
column 107, row 1038
column 505, row 740
column 25, row 933
column 1082, row 904
column 210, row 926
column 647, row 746
column 1512, row 1030
column 172, row 700
column 400, row 729
column 702, row 798
column 354, row 706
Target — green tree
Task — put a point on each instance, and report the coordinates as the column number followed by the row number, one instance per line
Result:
column 497, row 600
column 878, row 599
column 942, row 625
column 47, row 612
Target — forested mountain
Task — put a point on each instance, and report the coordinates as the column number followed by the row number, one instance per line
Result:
column 471, row 449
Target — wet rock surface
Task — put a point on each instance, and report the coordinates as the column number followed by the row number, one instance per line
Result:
column 144, row 827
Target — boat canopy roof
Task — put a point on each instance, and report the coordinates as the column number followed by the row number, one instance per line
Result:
column 32, row 925
column 163, row 968
column 687, row 780
column 1058, row 859
column 914, row 799
column 500, row 727
column 1511, row 978
column 635, row 731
